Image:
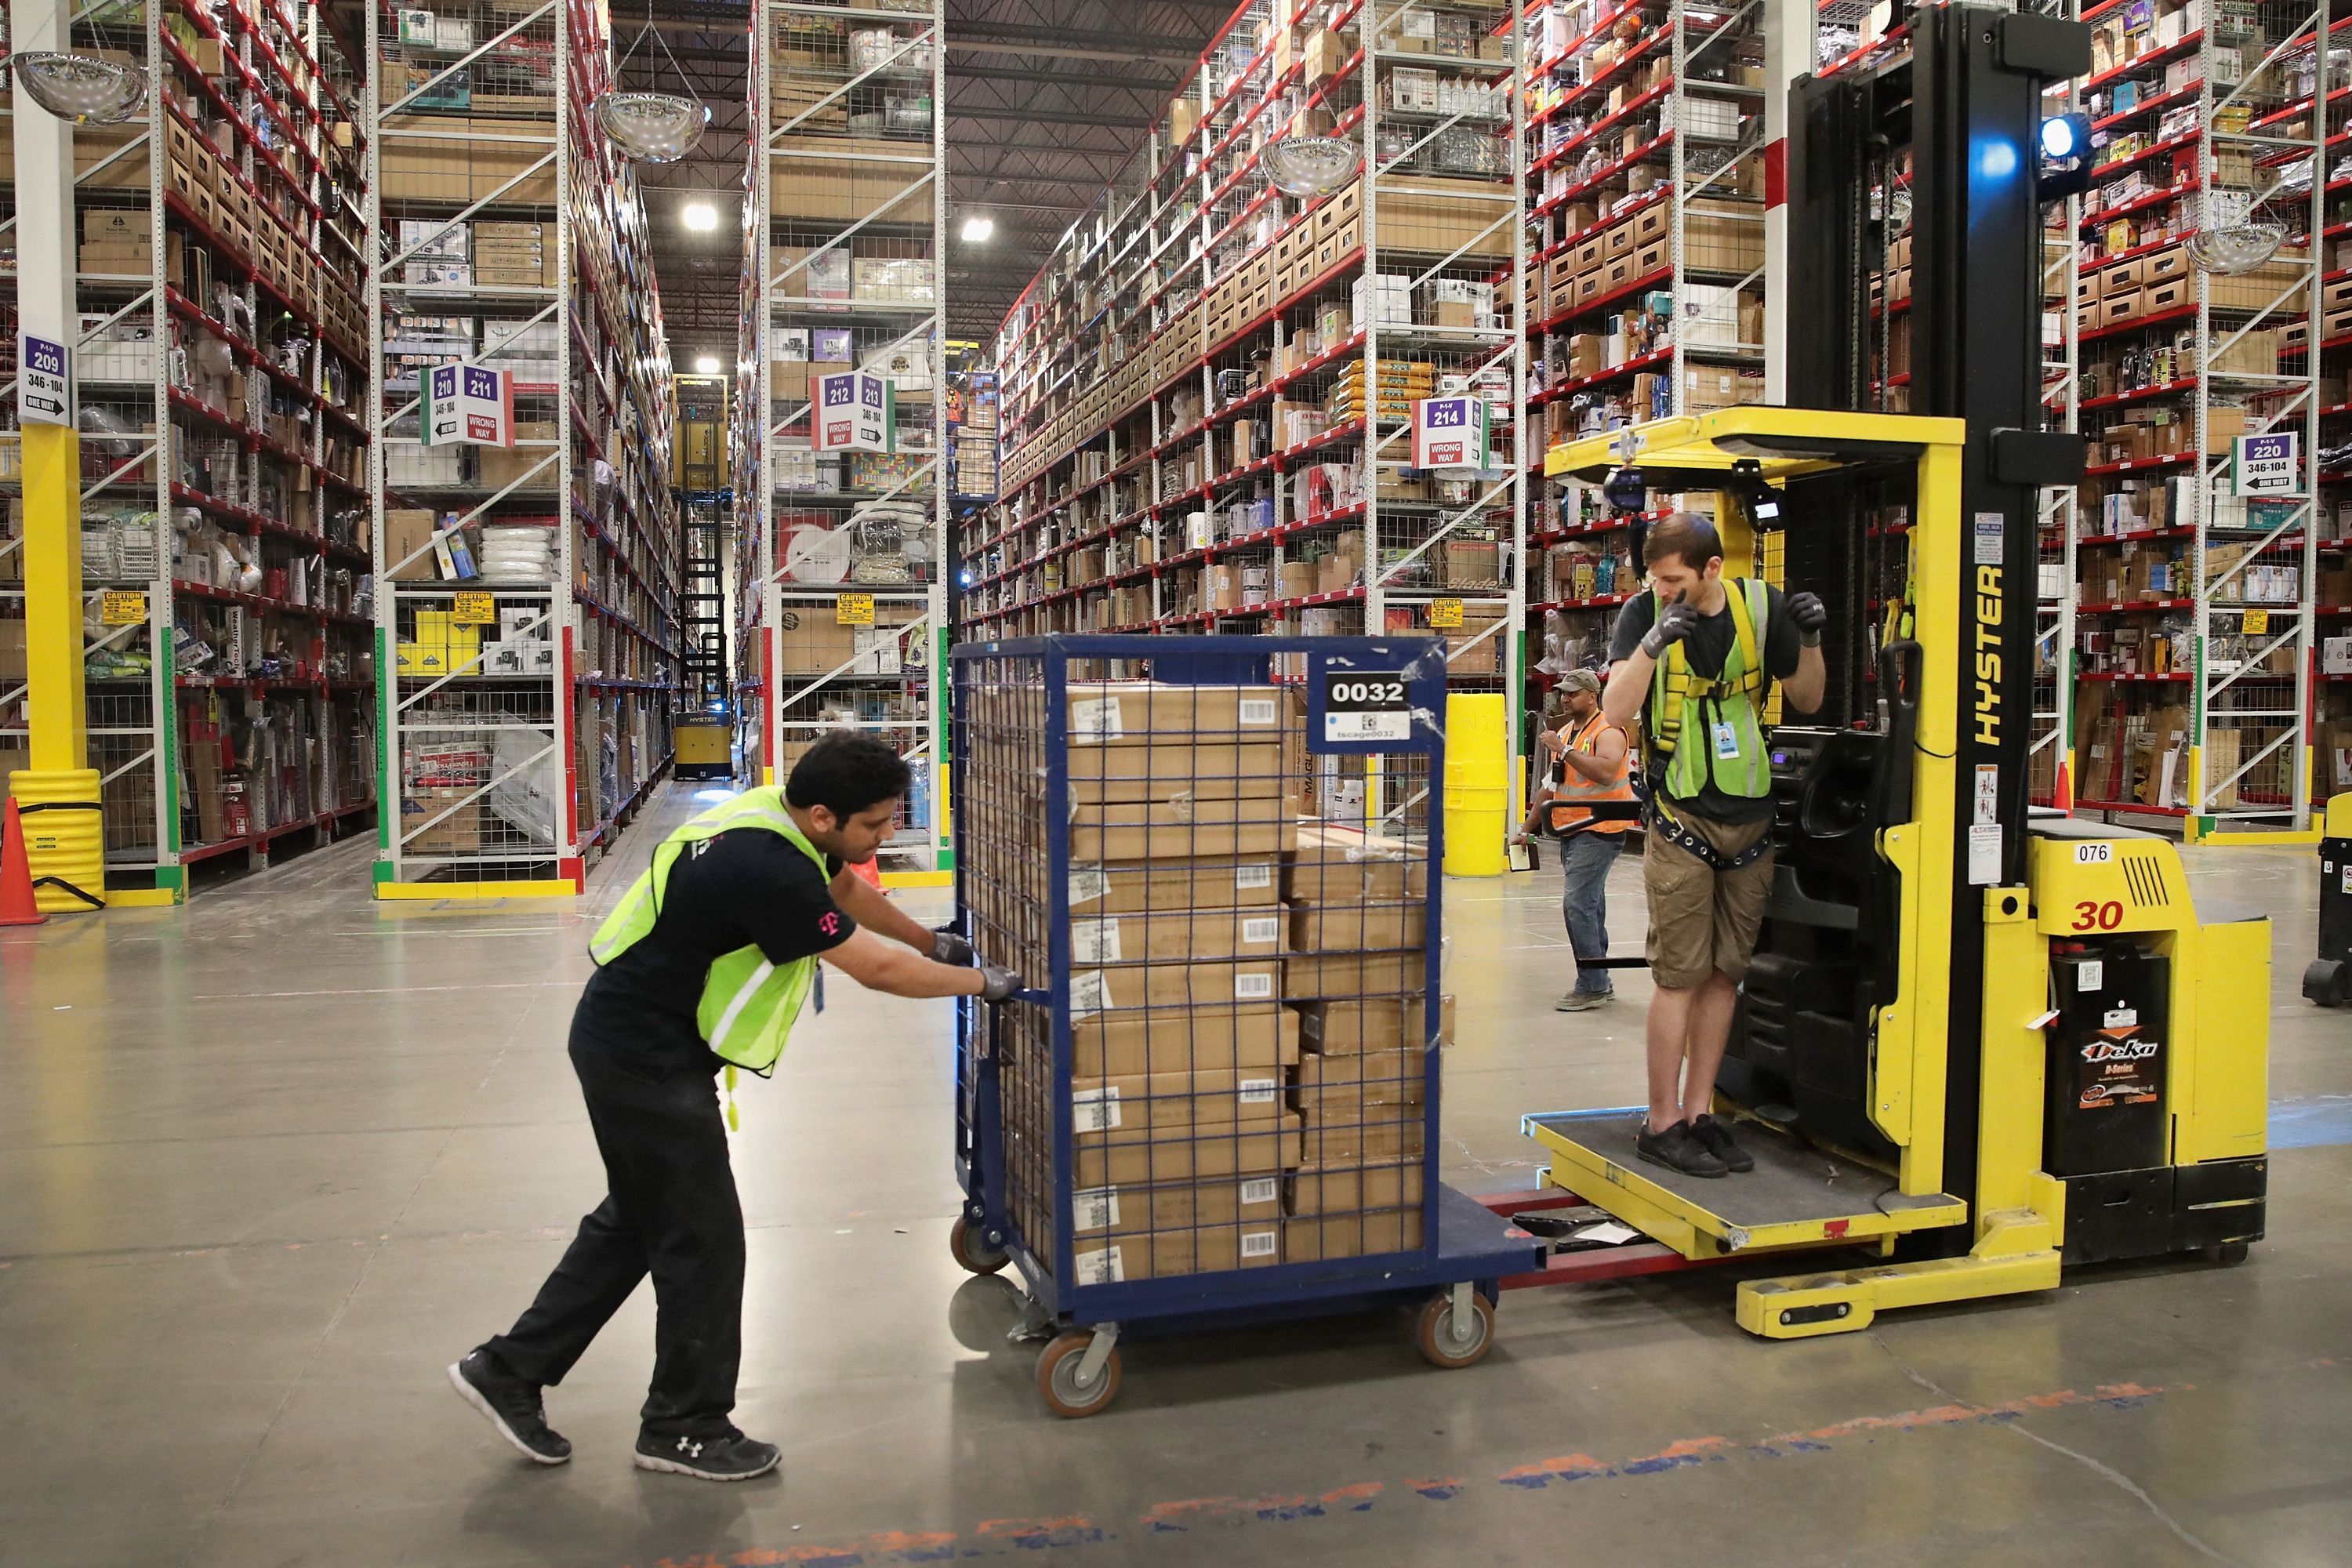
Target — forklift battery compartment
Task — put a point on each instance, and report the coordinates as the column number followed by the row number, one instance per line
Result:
column 2105, row 1084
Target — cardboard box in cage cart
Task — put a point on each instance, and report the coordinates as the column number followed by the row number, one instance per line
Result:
column 1243, row 981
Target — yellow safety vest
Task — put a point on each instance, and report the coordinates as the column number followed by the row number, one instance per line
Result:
column 1683, row 702
column 749, row 1004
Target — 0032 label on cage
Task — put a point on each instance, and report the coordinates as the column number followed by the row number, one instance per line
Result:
column 1365, row 706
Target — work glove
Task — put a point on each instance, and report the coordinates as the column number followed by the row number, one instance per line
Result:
column 948, row 948
column 1810, row 615
column 1676, row 622
column 997, row 982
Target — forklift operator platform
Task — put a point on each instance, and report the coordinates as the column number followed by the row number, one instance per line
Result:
column 1981, row 1041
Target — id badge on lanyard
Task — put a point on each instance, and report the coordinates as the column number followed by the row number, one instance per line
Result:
column 1727, row 740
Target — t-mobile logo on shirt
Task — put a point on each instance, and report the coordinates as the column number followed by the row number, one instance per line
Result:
column 829, row 923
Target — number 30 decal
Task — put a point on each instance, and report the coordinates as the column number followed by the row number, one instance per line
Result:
column 2092, row 916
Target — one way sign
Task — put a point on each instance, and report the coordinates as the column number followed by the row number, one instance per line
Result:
column 41, row 395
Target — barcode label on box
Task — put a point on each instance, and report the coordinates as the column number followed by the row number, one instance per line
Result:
column 1259, row 1243
column 1089, row 994
column 1253, row 876
column 1095, row 942
column 1261, row 928
column 1259, row 711
column 1101, row 1267
column 1087, row 884
column 1253, row 988
column 1257, row 1090
column 1095, row 719
column 1094, row 1109
column 1094, row 1209
column 1261, row 1190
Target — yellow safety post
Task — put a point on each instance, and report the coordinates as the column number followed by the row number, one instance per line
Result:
column 65, row 828
column 1477, row 784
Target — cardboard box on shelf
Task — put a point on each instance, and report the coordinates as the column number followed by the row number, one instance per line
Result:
column 457, row 831
column 1394, row 1132
column 1351, row 1087
column 1348, row 974
column 1340, row 1028
column 841, row 179
column 1121, row 1210
column 1252, row 1040
column 1140, row 713
column 1220, row 983
column 1332, row 866
column 1183, row 1106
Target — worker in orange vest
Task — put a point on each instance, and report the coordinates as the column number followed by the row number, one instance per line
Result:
column 1590, row 764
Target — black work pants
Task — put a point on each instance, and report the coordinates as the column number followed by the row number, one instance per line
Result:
column 669, row 1210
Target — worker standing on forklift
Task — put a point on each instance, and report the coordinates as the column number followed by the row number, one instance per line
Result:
column 1589, row 764
column 1695, row 655
column 702, row 968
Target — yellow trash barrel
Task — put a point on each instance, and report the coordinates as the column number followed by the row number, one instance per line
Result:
column 65, row 837
column 1477, row 785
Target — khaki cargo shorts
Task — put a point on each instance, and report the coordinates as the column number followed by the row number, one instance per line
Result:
column 1702, row 919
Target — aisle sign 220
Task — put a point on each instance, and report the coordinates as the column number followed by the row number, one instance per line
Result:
column 2266, row 464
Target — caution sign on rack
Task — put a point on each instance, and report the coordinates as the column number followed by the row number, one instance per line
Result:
column 1445, row 615
column 473, row 608
column 853, row 610
column 122, row 607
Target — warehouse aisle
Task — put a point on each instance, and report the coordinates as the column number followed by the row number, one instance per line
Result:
column 236, row 1250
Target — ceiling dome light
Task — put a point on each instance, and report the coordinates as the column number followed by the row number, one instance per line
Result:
column 2239, row 247
column 652, row 127
column 1310, row 166
column 706, row 364
column 977, row 228
column 82, row 89
column 699, row 216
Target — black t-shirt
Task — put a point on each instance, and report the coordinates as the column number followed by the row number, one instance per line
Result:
column 747, row 887
column 1706, row 649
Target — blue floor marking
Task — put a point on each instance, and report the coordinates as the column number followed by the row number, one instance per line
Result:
column 2311, row 1123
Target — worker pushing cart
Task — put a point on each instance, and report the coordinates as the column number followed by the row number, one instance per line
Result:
column 703, row 968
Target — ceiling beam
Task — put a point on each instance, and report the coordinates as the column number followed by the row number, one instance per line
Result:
column 1051, row 117
column 1062, row 43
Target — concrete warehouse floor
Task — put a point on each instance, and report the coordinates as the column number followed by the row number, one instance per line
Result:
column 269, row 1163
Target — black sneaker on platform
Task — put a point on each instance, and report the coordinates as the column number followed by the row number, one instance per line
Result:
column 731, row 1457
column 1677, row 1149
column 511, row 1404
column 1715, row 1137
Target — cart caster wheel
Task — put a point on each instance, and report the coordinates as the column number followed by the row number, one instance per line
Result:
column 974, row 1254
column 1058, row 1377
column 2328, row 981
column 1445, row 1342
column 2231, row 1253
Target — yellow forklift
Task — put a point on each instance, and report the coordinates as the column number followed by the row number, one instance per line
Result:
column 1980, row 1041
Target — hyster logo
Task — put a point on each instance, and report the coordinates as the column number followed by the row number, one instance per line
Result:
column 2118, row 1050
column 1988, row 646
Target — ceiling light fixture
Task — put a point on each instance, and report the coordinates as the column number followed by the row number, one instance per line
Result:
column 699, row 216
column 706, row 364
column 82, row 89
column 978, row 228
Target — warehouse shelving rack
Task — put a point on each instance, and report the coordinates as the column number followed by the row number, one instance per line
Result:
column 225, row 670
column 843, row 270
column 1646, row 170
column 520, row 750
column 2200, row 686
column 2051, row 771
column 1184, row 395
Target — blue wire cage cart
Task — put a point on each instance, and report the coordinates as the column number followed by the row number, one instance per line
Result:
column 1215, row 861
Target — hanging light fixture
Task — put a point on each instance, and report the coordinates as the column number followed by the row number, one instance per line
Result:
column 2237, row 247
column 652, row 127
column 1310, row 166
column 82, row 89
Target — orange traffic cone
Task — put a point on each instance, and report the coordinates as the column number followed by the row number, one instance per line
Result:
column 867, row 871
column 17, row 905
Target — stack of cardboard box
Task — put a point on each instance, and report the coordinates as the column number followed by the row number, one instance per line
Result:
column 514, row 254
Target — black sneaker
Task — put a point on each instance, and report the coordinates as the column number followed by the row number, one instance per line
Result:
column 1677, row 1149
column 728, row 1458
column 1715, row 1135
column 510, row 1404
